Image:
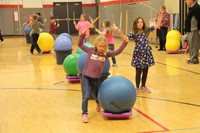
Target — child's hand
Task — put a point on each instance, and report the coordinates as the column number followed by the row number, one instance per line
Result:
column 45, row 20
column 97, row 30
column 115, row 26
column 126, row 39
column 74, row 22
column 120, row 31
column 121, row 34
column 84, row 32
column 58, row 25
column 184, row 36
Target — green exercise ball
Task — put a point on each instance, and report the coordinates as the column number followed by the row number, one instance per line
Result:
column 69, row 64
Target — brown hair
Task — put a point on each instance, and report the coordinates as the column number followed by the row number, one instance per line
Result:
column 135, row 28
column 107, row 25
column 85, row 16
column 35, row 17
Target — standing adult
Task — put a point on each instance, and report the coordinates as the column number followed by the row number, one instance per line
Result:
column 192, row 27
column 162, row 19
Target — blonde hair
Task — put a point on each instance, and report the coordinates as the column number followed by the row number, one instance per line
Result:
column 101, row 39
column 163, row 7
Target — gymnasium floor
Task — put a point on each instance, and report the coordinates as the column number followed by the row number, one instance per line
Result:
column 35, row 96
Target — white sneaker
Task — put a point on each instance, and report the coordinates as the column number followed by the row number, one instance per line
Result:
column 114, row 65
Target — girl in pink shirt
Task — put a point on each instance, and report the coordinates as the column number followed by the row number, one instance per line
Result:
column 108, row 32
column 82, row 25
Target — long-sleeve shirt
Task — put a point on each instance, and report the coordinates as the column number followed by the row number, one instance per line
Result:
column 53, row 28
column 165, row 20
column 193, row 18
column 95, row 61
column 35, row 26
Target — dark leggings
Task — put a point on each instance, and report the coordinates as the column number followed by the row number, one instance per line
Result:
column 144, row 73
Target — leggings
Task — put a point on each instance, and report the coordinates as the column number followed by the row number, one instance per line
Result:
column 144, row 73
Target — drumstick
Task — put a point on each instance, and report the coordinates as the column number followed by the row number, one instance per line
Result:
column 73, row 15
column 120, row 22
column 93, row 25
column 113, row 19
column 126, row 22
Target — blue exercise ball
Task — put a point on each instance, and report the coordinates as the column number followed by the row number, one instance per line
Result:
column 62, row 43
column 117, row 95
column 27, row 30
column 66, row 35
column 82, row 61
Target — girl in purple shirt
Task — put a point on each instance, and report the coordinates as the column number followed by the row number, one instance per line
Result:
column 91, row 74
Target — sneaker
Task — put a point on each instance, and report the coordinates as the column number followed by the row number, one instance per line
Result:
column 137, row 90
column 193, row 62
column 160, row 49
column 114, row 65
column 40, row 52
column 98, row 108
column 145, row 89
column 188, row 61
column 84, row 118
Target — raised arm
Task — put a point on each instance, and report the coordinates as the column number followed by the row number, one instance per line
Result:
column 120, row 49
column 80, row 42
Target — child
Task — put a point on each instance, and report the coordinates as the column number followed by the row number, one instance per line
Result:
column 53, row 27
column 108, row 32
column 1, row 38
column 35, row 31
column 91, row 74
column 82, row 25
column 142, row 55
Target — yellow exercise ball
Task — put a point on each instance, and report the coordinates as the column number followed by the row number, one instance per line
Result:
column 173, row 34
column 45, row 41
column 172, row 45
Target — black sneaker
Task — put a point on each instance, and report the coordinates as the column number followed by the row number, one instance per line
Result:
column 40, row 52
column 31, row 52
column 192, row 62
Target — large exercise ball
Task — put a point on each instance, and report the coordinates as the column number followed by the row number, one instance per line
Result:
column 174, row 35
column 27, row 30
column 62, row 43
column 79, row 51
column 69, row 64
column 45, row 41
column 117, row 95
column 173, row 40
column 82, row 61
column 66, row 35
column 172, row 45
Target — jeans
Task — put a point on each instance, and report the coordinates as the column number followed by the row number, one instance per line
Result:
column 90, row 86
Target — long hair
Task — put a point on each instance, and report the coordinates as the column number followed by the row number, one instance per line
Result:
column 84, row 16
column 135, row 28
column 101, row 39
column 108, row 27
